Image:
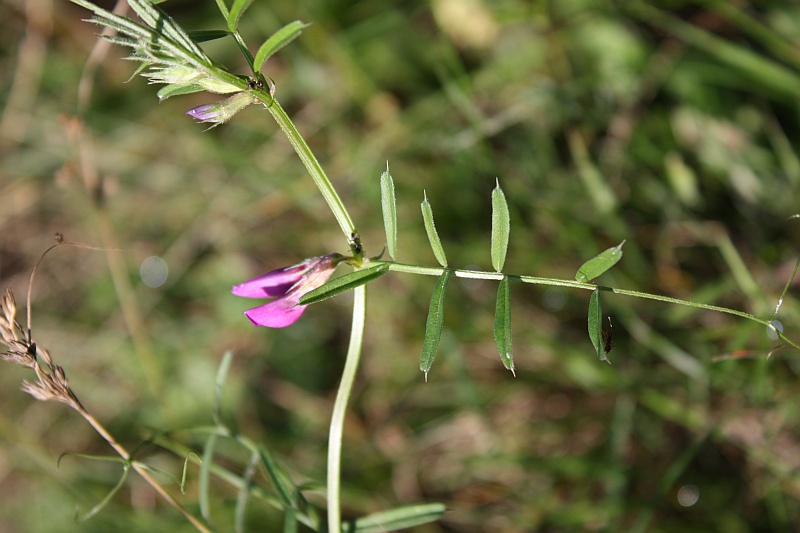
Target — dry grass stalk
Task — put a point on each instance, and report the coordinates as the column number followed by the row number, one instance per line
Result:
column 51, row 385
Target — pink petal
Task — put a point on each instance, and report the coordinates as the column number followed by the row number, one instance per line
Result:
column 276, row 314
column 272, row 284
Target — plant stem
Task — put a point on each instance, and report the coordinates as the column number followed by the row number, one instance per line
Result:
column 340, row 408
column 312, row 165
column 477, row 274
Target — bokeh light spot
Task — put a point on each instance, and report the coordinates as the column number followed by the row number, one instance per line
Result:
column 154, row 271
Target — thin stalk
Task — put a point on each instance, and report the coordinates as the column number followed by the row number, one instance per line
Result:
column 223, row 8
column 312, row 165
column 340, row 408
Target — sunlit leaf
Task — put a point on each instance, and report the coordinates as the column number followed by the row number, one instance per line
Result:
column 433, row 327
column 430, row 229
column 501, row 228
column 502, row 324
column 276, row 41
column 599, row 263
column 389, row 207
column 237, row 9
column 345, row 283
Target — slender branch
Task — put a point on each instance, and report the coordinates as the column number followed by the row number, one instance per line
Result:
column 340, row 408
column 477, row 274
column 312, row 165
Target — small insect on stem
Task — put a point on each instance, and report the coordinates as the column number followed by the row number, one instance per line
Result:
column 606, row 337
column 355, row 244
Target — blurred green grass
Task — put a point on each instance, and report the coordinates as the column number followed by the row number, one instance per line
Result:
column 673, row 129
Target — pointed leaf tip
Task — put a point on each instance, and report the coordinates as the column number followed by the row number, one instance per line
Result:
column 501, row 228
column 596, row 326
column 345, row 283
column 389, row 208
column 276, row 41
column 237, row 9
column 600, row 263
column 430, row 229
column 502, row 324
column 434, row 324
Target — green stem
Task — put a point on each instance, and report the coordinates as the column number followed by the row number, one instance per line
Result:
column 312, row 165
column 477, row 274
column 340, row 408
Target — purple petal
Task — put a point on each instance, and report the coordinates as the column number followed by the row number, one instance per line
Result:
column 272, row 284
column 276, row 314
column 205, row 112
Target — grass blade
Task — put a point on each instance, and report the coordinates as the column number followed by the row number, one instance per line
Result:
column 276, row 41
column 502, row 325
column 760, row 69
column 279, row 478
column 205, row 477
column 345, row 283
column 433, row 327
column 501, row 227
column 599, row 263
column 244, row 494
column 430, row 229
column 389, row 208
column 397, row 519
column 107, row 499
column 219, row 383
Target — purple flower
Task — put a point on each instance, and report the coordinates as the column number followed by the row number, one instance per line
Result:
column 286, row 285
column 222, row 111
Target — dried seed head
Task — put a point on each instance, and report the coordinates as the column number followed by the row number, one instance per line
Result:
column 52, row 386
column 19, row 353
column 8, row 310
column 9, row 304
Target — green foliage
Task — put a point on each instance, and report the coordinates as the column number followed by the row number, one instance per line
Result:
column 430, row 230
column 434, row 323
column 501, row 227
column 389, row 210
column 276, row 41
column 593, row 120
column 603, row 261
column 596, row 325
column 502, row 324
column 345, row 283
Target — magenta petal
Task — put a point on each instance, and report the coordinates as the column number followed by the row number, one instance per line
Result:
column 272, row 284
column 276, row 314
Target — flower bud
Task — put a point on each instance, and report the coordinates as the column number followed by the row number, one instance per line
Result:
column 222, row 111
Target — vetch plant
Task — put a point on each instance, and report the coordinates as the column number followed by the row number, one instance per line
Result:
column 171, row 56
column 287, row 285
